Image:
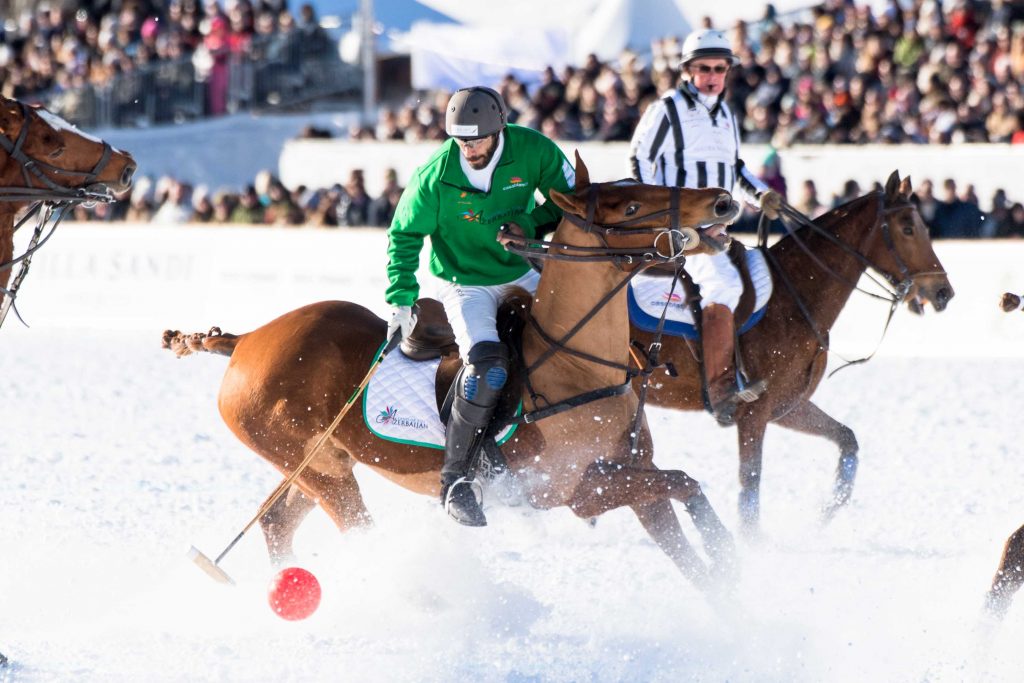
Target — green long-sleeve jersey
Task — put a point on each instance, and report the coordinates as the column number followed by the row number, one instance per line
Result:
column 462, row 222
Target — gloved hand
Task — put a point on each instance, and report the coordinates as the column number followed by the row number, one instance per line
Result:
column 510, row 228
column 771, row 202
column 402, row 318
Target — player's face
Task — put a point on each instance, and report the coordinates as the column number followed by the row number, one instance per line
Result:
column 478, row 152
column 708, row 75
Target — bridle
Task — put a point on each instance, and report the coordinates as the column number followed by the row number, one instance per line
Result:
column 676, row 236
column 679, row 237
column 49, row 204
column 35, row 170
column 897, row 286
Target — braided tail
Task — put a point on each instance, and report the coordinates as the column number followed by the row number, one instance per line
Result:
column 214, row 341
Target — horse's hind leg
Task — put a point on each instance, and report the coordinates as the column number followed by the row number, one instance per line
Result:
column 335, row 490
column 1009, row 576
column 330, row 482
column 810, row 419
column 281, row 520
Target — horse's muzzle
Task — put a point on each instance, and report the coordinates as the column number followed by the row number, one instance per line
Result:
column 127, row 175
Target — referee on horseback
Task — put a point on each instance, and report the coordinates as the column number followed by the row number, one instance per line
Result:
column 484, row 176
column 690, row 138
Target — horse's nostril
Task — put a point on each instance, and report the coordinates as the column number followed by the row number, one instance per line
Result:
column 722, row 206
column 126, row 175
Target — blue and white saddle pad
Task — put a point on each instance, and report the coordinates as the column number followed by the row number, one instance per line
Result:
column 648, row 294
column 399, row 404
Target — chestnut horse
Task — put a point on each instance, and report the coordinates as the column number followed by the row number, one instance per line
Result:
column 1009, row 575
column 288, row 379
column 789, row 346
column 51, row 165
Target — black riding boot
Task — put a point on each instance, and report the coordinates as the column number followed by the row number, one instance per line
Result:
column 476, row 396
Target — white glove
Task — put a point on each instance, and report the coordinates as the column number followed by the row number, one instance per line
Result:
column 771, row 202
column 402, row 317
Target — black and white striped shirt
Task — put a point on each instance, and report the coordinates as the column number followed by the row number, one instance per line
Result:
column 707, row 154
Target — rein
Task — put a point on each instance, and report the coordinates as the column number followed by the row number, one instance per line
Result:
column 678, row 237
column 541, row 249
column 900, row 286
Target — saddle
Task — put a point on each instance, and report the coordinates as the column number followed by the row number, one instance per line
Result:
column 748, row 299
column 433, row 338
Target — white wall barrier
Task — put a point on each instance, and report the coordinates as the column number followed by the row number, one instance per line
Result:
column 320, row 163
column 146, row 278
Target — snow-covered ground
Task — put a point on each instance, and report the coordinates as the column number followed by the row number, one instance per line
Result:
column 115, row 461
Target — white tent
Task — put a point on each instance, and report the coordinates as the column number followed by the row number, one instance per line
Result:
column 618, row 24
column 486, row 45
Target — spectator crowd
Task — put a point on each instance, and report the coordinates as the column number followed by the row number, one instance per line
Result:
column 917, row 71
column 55, row 52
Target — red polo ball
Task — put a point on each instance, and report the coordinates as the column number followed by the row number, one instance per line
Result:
column 294, row 594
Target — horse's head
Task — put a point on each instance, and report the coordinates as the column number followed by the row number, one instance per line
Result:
column 46, row 153
column 631, row 215
column 908, row 253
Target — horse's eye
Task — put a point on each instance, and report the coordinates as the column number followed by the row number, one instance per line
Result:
column 908, row 230
column 55, row 154
column 632, row 209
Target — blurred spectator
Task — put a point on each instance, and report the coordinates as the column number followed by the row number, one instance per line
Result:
column 851, row 190
column 223, row 206
column 926, row 201
column 382, row 209
column 771, row 173
column 953, row 216
column 202, row 207
column 808, row 203
column 176, row 207
column 353, row 210
column 140, row 204
column 998, row 216
column 322, row 210
column 1014, row 227
column 249, row 210
column 281, row 210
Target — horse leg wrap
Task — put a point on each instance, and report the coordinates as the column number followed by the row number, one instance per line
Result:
column 846, row 474
column 750, row 507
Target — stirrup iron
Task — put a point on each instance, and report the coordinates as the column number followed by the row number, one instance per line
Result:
column 474, row 485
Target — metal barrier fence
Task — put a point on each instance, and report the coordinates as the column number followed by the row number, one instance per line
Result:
column 276, row 75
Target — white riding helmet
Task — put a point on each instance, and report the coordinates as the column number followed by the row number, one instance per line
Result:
column 707, row 44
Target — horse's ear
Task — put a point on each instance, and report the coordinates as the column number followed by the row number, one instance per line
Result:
column 582, row 174
column 570, row 203
column 906, row 189
column 892, row 185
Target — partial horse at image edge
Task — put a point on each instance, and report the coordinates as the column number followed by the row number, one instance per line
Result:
column 1009, row 574
column 51, row 165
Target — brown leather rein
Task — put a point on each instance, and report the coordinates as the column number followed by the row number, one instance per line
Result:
column 679, row 237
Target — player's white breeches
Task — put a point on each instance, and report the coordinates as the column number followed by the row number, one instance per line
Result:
column 472, row 309
column 719, row 281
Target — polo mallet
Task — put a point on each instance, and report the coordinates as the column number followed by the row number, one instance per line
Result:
column 212, row 567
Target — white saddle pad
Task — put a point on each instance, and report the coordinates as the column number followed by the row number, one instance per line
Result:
column 651, row 291
column 399, row 404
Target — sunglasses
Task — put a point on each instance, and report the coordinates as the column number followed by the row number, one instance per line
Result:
column 472, row 143
column 705, row 69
